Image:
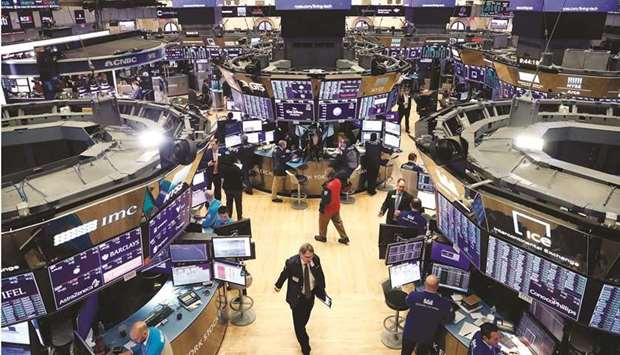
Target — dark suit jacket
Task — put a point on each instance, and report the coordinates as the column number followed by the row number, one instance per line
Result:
column 390, row 200
column 373, row 155
column 280, row 158
column 293, row 273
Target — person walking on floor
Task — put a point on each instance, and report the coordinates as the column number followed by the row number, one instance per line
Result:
column 329, row 208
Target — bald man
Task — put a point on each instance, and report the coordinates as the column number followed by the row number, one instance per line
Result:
column 149, row 341
column 428, row 311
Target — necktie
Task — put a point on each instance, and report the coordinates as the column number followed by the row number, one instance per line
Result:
column 307, row 291
column 397, row 201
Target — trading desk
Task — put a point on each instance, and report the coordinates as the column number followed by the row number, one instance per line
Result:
column 199, row 331
column 311, row 169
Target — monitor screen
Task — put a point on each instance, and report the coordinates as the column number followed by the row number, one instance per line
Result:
column 550, row 319
column 257, row 106
column 446, row 255
column 269, row 137
column 198, row 197
column 252, row 126
column 425, row 183
column 391, row 140
column 237, row 115
column 292, row 89
column 75, row 277
column 606, row 315
column 406, row 273
column 451, row 277
column 242, row 227
column 373, row 105
column 430, row 3
column 366, row 136
column 534, row 336
column 462, row 232
column 525, row 5
column 21, row 299
column 16, row 339
column 191, row 274
column 559, row 288
column 399, row 252
column 580, row 5
column 372, row 125
column 180, row 253
column 499, row 24
column 295, row 111
column 169, row 222
column 340, row 89
column 337, row 110
column 313, row 4
column 229, row 272
column 253, row 138
column 392, row 128
column 231, row 247
column 232, row 141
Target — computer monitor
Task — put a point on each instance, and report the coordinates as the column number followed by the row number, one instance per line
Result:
column 426, row 191
column 372, row 125
column 392, row 128
column 198, row 197
column 534, row 336
column 391, row 140
column 16, row 336
column 237, row 115
column 252, row 126
column 446, row 255
column 451, row 277
column 169, row 222
column 229, row 272
column 21, row 299
column 80, row 347
column 405, row 273
column 232, row 141
column 231, row 247
column 191, row 274
column 253, row 138
column 551, row 320
column 242, row 227
column 409, row 250
column 389, row 233
column 269, row 136
column 366, row 137
column 425, row 183
column 182, row 253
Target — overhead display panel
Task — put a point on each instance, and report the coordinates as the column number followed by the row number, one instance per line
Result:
column 371, row 106
column 29, row 4
column 536, row 278
column 525, row 5
column 21, row 299
column 430, row 3
column 196, row 3
column 258, row 107
column 580, row 5
column 169, row 222
column 340, row 89
column 313, row 4
column 302, row 111
column 292, row 89
column 606, row 315
column 463, row 233
column 337, row 110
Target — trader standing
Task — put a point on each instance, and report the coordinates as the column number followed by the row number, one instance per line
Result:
column 427, row 312
column 246, row 156
column 212, row 158
column 280, row 158
column 305, row 280
column 373, row 162
column 329, row 208
column 396, row 201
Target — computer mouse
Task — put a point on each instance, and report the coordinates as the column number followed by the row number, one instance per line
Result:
column 179, row 316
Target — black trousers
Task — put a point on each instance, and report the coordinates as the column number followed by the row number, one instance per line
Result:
column 301, row 315
column 420, row 348
column 246, row 178
column 216, row 181
column 372, row 172
column 234, row 197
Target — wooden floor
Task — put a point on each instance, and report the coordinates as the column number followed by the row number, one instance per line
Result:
column 353, row 276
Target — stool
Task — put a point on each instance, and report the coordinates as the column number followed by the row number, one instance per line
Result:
column 243, row 314
column 385, row 186
column 396, row 300
column 299, row 198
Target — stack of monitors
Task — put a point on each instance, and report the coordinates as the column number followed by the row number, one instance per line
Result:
column 399, row 252
column 552, row 285
column 294, row 100
column 169, row 222
column 462, row 232
column 75, row 277
column 190, row 264
column 369, row 127
column 391, row 136
column 338, row 100
column 21, row 299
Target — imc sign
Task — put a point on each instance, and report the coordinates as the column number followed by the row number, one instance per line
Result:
column 536, row 233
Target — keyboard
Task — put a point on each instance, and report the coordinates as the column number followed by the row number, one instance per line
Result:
column 158, row 316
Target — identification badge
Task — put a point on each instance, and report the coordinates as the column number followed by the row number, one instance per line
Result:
column 295, row 278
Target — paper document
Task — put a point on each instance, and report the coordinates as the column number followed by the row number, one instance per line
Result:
column 458, row 316
column 467, row 328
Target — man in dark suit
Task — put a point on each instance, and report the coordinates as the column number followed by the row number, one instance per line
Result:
column 279, row 159
column 246, row 156
column 396, row 201
column 305, row 280
column 373, row 162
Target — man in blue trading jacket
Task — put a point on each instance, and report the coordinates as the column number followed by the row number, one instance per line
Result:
column 149, row 341
column 413, row 218
column 428, row 311
column 485, row 341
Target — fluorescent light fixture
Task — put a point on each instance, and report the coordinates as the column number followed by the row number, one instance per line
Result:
column 527, row 142
column 152, row 137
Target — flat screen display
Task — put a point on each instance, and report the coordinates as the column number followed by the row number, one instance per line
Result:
column 229, row 272
column 405, row 273
column 180, row 253
column 337, row 110
column 463, row 233
column 231, row 247
column 292, row 89
column 392, row 128
column 169, row 222
column 526, row 5
column 252, row 126
column 404, row 251
column 295, row 111
column 313, row 4
column 191, row 274
column 258, row 107
column 30, row 4
column 232, row 141
column 391, row 140
column 534, row 336
column 193, row 3
column 550, row 284
column 550, row 319
column 372, row 125
column 21, row 299
column 340, row 89
column 373, row 105
column 451, row 277
column 580, row 5
column 77, row 276
column 425, row 183
column 446, row 255
column 430, row 3
column 606, row 315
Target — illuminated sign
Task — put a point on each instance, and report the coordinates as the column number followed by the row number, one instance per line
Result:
column 534, row 229
column 93, row 225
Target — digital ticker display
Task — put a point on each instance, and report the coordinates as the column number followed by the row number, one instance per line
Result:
column 21, row 299
column 606, row 315
column 340, row 89
column 169, row 222
column 463, row 233
column 337, row 110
